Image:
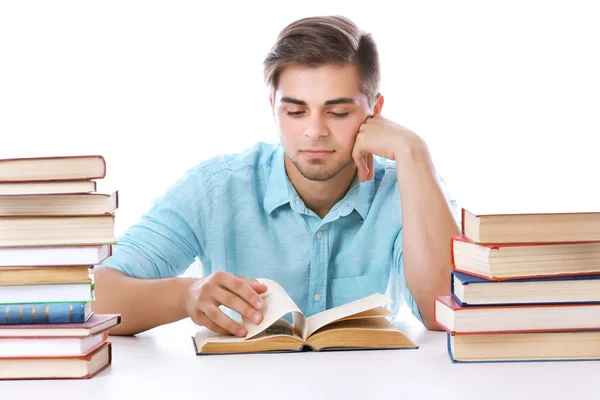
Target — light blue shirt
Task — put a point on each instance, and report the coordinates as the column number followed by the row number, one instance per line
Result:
column 240, row 213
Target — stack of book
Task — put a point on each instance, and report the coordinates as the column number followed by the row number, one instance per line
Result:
column 525, row 287
column 54, row 227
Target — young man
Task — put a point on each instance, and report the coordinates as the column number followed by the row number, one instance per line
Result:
column 347, row 205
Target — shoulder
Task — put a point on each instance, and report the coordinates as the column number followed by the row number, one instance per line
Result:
column 232, row 175
column 213, row 175
column 256, row 158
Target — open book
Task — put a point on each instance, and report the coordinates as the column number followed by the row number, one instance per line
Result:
column 361, row 324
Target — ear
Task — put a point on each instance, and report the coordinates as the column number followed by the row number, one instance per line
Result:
column 272, row 102
column 378, row 104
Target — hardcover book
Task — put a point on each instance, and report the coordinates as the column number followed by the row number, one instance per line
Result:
column 361, row 324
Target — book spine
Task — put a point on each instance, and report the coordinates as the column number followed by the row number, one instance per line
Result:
column 449, row 345
column 51, row 313
column 459, row 301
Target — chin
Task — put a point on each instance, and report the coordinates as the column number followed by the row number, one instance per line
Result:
column 317, row 174
column 320, row 170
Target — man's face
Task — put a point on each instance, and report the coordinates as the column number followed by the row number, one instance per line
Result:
column 318, row 111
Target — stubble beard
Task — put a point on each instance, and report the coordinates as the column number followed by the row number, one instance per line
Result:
column 317, row 171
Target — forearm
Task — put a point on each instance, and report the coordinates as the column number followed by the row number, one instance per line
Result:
column 142, row 303
column 427, row 226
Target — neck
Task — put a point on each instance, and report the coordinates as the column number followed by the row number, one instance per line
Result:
column 319, row 196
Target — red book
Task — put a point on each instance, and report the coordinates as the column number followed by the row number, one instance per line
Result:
column 63, row 367
column 95, row 324
column 455, row 319
column 524, row 260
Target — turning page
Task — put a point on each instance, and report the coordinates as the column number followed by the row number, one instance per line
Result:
column 277, row 304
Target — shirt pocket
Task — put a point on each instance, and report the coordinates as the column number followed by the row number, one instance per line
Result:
column 347, row 289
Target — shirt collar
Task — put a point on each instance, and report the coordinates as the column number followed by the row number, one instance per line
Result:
column 359, row 198
column 277, row 193
column 364, row 197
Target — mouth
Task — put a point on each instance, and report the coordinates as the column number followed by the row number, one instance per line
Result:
column 317, row 153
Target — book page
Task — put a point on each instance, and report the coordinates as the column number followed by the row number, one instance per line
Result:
column 323, row 318
column 377, row 312
column 280, row 327
column 534, row 203
column 364, row 324
column 277, row 304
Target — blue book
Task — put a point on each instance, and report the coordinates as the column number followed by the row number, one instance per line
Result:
column 524, row 347
column 470, row 290
column 45, row 313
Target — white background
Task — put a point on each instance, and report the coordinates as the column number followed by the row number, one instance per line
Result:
column 506, row 93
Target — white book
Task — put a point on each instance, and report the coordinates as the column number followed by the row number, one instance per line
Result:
column 52, row 347
column 58, row 187
column 54, row 256
column 71, row 292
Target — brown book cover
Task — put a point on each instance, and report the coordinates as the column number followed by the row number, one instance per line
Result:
column 53, row 187
column 547, row 227
column 59, row 204
column 29, row 276
column 60, row 168
column 89, row 230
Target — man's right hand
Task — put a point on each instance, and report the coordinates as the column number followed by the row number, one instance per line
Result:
column 238, row 293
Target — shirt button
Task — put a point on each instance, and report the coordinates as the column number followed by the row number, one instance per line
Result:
column 317, row 297
column 319, row 236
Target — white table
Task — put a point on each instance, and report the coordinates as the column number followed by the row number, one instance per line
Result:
column 161, row 364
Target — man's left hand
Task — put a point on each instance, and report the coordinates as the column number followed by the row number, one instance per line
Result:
column 384, row 138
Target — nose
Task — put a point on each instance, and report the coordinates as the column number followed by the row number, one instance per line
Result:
column 316, row 127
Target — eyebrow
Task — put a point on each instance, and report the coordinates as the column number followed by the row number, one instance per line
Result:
column 341, row 100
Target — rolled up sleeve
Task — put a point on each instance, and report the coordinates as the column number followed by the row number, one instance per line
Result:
column 176, row 229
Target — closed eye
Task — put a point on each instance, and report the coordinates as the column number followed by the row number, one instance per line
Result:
column 295, row 113
column 340, row 115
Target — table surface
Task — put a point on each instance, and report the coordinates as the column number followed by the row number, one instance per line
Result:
column 162, row 362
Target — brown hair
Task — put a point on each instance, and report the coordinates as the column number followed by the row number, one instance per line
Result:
column 319, row 40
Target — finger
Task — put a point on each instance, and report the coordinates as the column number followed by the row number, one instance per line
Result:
column 367, row 171
column 254, row 284
column 367, row 121
column 203, row 320
column 259, row 288
column 358, row 159
column 234, row 302
column 216, row 328
column 243, row 290
column 370, row 166
column 360, row 165
column 217, row 316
